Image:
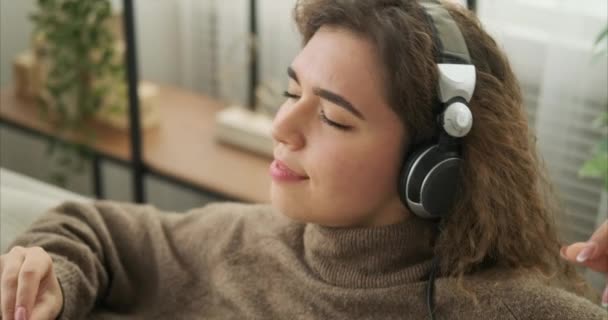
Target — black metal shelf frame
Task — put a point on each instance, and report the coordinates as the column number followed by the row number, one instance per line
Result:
column 137, row 166
column 139, row 169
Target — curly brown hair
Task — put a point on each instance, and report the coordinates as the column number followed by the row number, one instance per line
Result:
column 504, row 215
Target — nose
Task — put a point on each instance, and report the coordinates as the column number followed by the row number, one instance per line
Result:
column 288, row 125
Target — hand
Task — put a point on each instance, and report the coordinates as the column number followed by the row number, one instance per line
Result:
column 592, row 254
column 29, row 288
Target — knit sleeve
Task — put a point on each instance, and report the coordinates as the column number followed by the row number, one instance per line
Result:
column 106, row 253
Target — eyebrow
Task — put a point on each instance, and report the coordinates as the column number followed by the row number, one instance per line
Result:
column 292, row 74
column 330, row 96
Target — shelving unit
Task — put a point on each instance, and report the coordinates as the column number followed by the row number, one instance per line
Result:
column 182, row 149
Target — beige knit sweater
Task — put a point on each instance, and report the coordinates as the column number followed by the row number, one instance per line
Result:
column 235, row 261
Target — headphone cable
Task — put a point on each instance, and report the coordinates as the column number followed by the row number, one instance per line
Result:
column 430, row 288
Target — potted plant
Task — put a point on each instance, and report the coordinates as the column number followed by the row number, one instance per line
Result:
column 79, row 63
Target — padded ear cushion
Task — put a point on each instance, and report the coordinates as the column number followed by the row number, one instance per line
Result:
column 427, row 180
column 406, row 169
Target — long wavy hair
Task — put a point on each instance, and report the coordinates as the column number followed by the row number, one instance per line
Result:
column 506, row 208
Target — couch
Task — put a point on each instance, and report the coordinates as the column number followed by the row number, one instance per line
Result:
column 22, row 200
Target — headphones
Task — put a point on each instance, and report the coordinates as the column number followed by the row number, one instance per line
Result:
column 428, row 180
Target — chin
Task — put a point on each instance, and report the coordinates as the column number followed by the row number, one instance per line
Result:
column 288, row 205
column 297, row 205
column 296, row 212
column 295, row 216
column 285, row 206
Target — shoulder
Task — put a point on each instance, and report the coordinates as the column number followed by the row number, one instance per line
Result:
column 213, row 222
column 534, row 300
column 524, row 296
column 240, row 220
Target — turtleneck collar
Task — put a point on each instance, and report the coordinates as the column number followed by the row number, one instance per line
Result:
column 374, row 257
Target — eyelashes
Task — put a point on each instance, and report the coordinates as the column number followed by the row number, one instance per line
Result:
column 290, row 95
column 332, row 123
column 322, row 115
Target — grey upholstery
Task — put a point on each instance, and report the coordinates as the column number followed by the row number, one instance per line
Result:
column 22, row 200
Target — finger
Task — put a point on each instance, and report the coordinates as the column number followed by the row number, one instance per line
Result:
column 599, row 264
column 600, row 237
column 8, row 281
column 34, row 268
column 571, row 252
column 42, row 311
column 46, row 309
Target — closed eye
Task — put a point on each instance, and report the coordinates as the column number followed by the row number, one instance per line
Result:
column 322, row 115
column 290, row 95
column 332, row 123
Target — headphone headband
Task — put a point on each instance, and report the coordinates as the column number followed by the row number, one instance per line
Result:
column 456, row 71
column 450, row 42
column 429, row 177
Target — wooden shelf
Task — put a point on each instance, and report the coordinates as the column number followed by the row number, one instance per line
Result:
column 182, row 147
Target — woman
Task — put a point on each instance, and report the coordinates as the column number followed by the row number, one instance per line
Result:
column 338, row 241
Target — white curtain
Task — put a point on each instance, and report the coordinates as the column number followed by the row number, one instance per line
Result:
column 204, row 45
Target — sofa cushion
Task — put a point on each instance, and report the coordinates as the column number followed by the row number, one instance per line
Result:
column 22, row 200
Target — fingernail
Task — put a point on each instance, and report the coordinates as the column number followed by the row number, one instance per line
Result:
column 20, row 314
column 585, row 253
column 605, row 298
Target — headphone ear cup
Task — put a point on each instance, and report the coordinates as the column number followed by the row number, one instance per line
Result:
column 406, row 170
column 428, row 181
column 440, row 187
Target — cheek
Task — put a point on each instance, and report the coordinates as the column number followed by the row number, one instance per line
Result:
column 359, row 174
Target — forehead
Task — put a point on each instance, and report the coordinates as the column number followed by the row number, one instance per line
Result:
column 342, row 61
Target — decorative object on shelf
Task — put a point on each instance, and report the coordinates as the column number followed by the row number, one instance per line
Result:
column 29, row 79
column 248, row 127
column 75, row 71
column 28, row 75
column 118, row 117
column 73, row 67
column 249, row 130
column 79, row 56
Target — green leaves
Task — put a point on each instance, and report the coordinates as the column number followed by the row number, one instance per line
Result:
column 597, row 166
column 81, row 60
column 603, row 35
column 600, row 46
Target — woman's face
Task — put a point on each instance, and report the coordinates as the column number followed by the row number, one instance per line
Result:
column 337, row 132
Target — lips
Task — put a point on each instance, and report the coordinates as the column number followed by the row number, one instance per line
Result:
column 280, row 171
